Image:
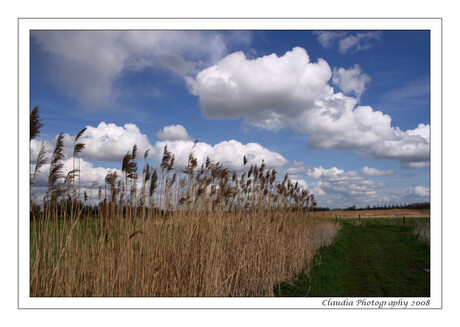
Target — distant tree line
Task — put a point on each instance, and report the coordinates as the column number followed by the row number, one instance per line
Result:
column 320, row 209
column 417, row 205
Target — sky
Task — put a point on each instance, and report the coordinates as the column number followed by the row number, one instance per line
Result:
column 345, row 113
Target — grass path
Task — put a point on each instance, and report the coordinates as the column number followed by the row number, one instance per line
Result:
column 375, row 258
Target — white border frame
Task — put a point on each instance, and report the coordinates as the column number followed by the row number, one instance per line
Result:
column 25, row 25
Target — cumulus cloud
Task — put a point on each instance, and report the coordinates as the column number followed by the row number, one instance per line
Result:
column 350, row 80
column 421, row 130
column 174, row 133
column 264, row 91
column 366, row 171
column 228, row 153
column 109, row 142
column 106, row 142
column 272, row 92
column 410, row 148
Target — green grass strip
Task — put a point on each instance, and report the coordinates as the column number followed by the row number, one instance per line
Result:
column 371, row 258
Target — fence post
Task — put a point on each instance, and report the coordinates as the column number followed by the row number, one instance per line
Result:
column 404, row 220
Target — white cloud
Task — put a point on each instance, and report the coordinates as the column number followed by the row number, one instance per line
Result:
column 421, row 191
column 358, row 42
column 299, row 168
column 85, row 64
column 410, row 148
column 274, row 92
column 268, row 92
column 338, row 188
column 348, row 42
column 228, row 153
column 350, row 80
column 366, row 171
column 174, row 133
column 421, row 130
column 336, row 125
column 320, row 172
column 412, row 194
column 265, row 91
column 328, row 38
column 109, row 142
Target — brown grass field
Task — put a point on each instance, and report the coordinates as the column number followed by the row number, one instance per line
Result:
column 196, row 255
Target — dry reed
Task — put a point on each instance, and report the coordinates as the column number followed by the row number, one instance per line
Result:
column 200, row 231
column 229, row 254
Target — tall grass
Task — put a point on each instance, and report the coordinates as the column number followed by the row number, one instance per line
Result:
column 193, row 231
column 230, row 254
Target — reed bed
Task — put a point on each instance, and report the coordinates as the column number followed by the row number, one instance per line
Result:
column 170, row 231
column 230, row 254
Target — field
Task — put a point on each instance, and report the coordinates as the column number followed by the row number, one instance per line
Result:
column 385, row 257
column 232, row 254
column 203, row 232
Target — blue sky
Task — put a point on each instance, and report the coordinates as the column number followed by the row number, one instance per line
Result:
column 345, row 113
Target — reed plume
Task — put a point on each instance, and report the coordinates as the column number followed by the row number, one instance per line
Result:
column 41, row 160
column 77, row 149
column 35, row 123
column 55, row 173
